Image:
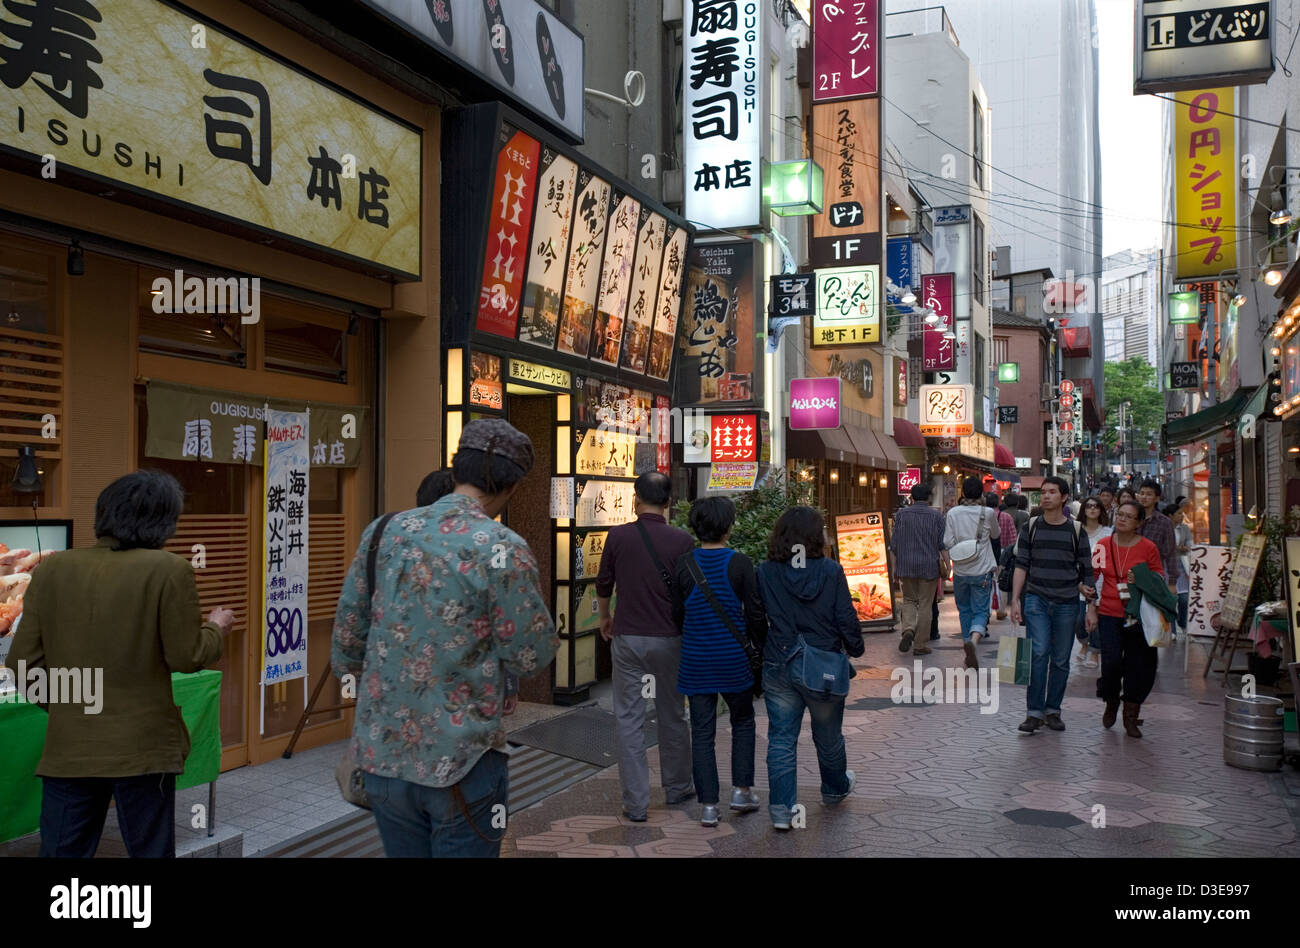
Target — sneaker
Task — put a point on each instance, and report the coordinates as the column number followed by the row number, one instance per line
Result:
column 685, row 796
column 1055, row 723
column 709, row 815
column 635, row 817
column 780, row 822
column 744, row 801
column 831, row 801
column 908, row 637
column 1031, row 724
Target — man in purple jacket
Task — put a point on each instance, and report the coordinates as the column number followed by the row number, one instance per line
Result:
column 646, row 645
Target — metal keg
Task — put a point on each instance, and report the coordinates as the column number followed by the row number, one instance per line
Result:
column 1252, row 732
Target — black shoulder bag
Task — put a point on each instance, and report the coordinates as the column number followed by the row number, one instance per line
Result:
column 666, row 576
column 751, row 654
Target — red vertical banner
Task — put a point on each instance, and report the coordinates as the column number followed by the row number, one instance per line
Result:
column 939, row 354
column 846, row 49
column 663, row 434
column 513, row 194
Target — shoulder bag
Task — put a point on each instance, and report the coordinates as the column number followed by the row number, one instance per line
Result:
column 350, row 777
column 654, row 556
column 752, row 656
column 966, row 551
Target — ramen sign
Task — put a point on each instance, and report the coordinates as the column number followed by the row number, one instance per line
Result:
column 946, row 411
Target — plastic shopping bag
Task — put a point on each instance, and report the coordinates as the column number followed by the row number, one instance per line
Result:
column 1155, row 626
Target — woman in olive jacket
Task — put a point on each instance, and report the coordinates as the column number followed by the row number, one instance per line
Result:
column 121, row 616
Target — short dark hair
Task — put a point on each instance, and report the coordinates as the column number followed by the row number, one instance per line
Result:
column 922, row 491
column 491, row 474
column 1141, row 511
column 972, row 488
column 1179, row 499
column 139, row 510
column 435, row 486
column 1103, row 519
column 991, row 500
column 1126, row 490
column 1061, row 484
column 712, row 518
column 798, row 526
column 1151, row 483
column 1170, row 508
column 653, row 488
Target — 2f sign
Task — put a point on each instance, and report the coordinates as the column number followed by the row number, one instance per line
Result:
column 830, row 82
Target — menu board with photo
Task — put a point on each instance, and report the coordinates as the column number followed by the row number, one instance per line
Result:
column 670, row 303
column 863, row 554
column 485, row 388
column 645, row 291
column 548, row 250
column 604, row 403
column 582, row 280
column 511, row 216
column 615, row 280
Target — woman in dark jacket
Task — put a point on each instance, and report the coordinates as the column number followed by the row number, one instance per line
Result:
column 806, row 596
column 713, row 663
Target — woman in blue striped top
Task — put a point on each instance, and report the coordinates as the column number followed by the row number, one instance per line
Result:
column 713, row 662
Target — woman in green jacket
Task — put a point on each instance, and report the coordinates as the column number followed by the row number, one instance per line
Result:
column 117, row 619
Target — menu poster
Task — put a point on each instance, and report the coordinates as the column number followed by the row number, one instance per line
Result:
column 561, row 498
column 863, row 554
column 550, row 242
column 583, row 276
column 615, row 279
column 645, row 291
column 604, row 403
column 1245, row 566
column 485, row 388
column 604, row 503
column 670, row 303
column 507, row 243
column 732, row 476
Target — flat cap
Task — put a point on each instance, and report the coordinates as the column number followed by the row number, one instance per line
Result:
column 499, row 437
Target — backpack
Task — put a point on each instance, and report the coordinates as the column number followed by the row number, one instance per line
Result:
column 1008, row 573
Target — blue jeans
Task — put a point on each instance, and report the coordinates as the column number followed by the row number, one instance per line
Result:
column 973, row 595
column 422, row 822
column 1051, row 635
column 785, row 706
column 704, row 758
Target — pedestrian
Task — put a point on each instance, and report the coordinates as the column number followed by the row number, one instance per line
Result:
column 1128, row 663
column 812, row 629
column 1159, row 529
column 1096, row 523
column 1007, row 539
column 646, row 642
column 1107, row 497
column 1020, row 514
column 1177, row 513
column 715, row 663
column 1125, row 493
column 1053, row 568
column 129, row 610
column 920, row 560
column 455, row 596
column 968, row 533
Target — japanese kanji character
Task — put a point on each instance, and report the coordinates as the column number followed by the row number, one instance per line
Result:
column 55, row 43
column 336, row 453
column 738, row 174
column 370, row 201
column 297, row 483
column 198, row 439
column 718, row 119
column 324, row 180
column 710, row 16
column 715, row 62
column 247, row 140
column 706, row 178
column 245, row 442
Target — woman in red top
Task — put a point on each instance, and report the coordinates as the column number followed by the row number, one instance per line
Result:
column 1128, row 663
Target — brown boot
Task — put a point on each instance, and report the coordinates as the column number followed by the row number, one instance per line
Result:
column 1108, row 716
column 1131, row 709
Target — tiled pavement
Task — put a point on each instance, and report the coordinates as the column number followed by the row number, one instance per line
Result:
column 945, row 780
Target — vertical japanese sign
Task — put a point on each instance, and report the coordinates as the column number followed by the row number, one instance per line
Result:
column 670, row 303
column 952, row 254
column 548, row 250
column 1205, row 163
column 724, row 70
column 1209, row 570
column 620, row 253
column 846, row 143
column 663, row 434
column 717, row 331
column 644, row 293
column 900, row 267
column 507, row 243
column 582, row 281
column 846, row 49
column 938, row 354
column 284, row 595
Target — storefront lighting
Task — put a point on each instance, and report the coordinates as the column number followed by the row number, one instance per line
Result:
column 908, row 298
column 1273, row 277
column 884, row 481
column 1294, row 449
column 835, row 476
column 862, row 479
column 1008, row 371
column 14, row 316
column 1280, row 216
column 931, row 317
column 1184, row 307
column 947, row 469
column 1275, row 352
column 1239, row 300
column 795, row 187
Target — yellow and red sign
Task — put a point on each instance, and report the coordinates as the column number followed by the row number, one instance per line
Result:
column 1205, row 195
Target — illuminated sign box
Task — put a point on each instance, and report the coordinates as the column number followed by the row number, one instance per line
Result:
column 1192, row 44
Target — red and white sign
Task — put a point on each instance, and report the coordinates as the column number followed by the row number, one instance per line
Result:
column 507, row 244
column 939, row 354
column 733, row 438
column 908, row 479
column 1067, row 401
column 1064, row 416
column 1067, row 386
column 846, row 49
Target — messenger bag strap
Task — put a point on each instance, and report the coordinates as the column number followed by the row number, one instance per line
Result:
column 697, row 574
column 654, row 555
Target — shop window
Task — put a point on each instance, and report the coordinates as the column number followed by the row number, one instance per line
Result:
column 25, row 288
column 313, row 349
column 208, row 337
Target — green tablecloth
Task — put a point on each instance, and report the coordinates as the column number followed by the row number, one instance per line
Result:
column 22, row 741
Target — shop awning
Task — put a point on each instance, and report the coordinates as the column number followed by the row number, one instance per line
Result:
column 907, row 434
column 1031, row 482
column 894, row 459
column 1002, row 456
column 870, row 453
column 831, row 444
column 1207, row 421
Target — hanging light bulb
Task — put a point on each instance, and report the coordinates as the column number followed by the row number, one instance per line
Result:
column 908, row 298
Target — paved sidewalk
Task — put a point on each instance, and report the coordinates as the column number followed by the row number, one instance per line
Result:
column 946, row 780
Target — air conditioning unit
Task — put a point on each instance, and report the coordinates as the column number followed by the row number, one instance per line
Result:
column 1049, row 392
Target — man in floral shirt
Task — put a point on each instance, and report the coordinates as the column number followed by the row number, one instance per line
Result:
column 456, row 600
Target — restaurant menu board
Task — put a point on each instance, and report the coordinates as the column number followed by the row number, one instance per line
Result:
column 587, row 553
column 863, row 554
column 645, row 291
column 604, row 503
column 511, row 216
column 604, row 403
column 1244, row 567
column 1291, row 559
column 605, row 452
column 615, row 279
column 583, row 275
column 670, row 303
column 547, row 249
column 485, row 388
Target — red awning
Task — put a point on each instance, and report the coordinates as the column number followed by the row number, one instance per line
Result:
column 1003, row 457
column 907, row 435
column 1076, row 343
